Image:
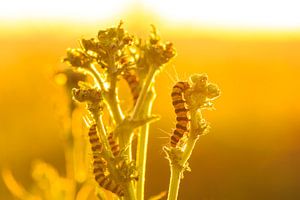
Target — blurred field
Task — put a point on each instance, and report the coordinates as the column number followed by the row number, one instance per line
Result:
column 252, row 150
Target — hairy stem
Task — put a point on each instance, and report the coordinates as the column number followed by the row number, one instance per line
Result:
column 143, row 146
column 174, row 182
column 188, row 150
column 178, row 163
column 142, row 160
column 110, row 97
column 129, row 187
column 103, row 138
column 130, row 191
column 96, row 75
column 112, row 101
column 140, row 104
column 178, row 169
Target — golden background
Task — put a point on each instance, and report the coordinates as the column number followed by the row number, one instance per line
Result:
column 253, row 148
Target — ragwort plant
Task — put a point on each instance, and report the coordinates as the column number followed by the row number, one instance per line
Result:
column 104, row 61
column 115, row 54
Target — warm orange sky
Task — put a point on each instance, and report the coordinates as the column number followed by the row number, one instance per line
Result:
column 216, row 13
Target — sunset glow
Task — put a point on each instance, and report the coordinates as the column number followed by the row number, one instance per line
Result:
column 232, row 13
column 62, row 10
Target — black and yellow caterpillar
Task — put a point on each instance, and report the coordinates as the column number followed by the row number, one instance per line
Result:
column 114, row 146
column 133, row 84
column 181, row 111
column 100, row 165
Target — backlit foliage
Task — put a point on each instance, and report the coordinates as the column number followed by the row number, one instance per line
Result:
column 114, row 171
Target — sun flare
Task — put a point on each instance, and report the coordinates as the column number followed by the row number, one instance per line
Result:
column 231, row 13
column 61, row 9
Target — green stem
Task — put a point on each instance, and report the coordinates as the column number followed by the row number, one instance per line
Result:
column 125, row 138
column 103, row 138
column 190, row 145
column 143, row 147
column 129, row 187
column 178, row 168
column 140, row 104
column 142, row 160
column 130, row 191
column 179, row 162
column 112, row 101
column 174, row 182
column 96, row 75
column 110, row 97
column 195, row 131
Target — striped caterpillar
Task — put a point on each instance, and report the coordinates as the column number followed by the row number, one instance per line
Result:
column 100, row 165
column 114, row 146
column 181, row 111
column 133, row 84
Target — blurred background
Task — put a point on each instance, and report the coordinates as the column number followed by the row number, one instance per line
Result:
column 250, row 49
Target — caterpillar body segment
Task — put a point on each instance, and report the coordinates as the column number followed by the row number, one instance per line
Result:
column 114, row 146
column 100, row 164
column 108, row 184
column 96, row 145
column 182, row 119
column 180, row 87
column 133, row 84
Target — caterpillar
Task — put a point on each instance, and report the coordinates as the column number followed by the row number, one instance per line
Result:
column 114, row 146
column 133, row 85
column 181, row 112
column 100, row 165
column 109, row 184
column 96, row 145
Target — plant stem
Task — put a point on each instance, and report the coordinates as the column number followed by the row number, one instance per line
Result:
column 140, row 104
column 142, row 160
column 110, row 97
column 178, row 169
column 143, row 147
column 174, row 182
column 188, row 150
column 96, row 75
column 112, row 101
column 103, row 138
column 130, row 191
column 195, row 131
column 143, row 108
column 129, row 187
column 179, row 163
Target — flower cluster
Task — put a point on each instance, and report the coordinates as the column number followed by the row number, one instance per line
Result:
column 109, row 50
column 201, row 93
column 155, row 52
